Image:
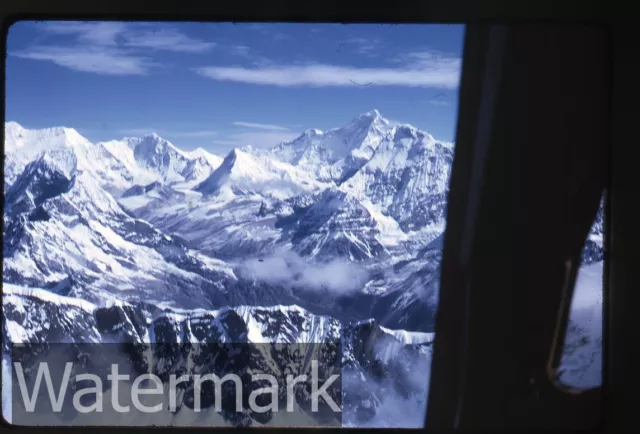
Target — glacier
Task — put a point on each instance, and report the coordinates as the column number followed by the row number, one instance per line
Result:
column 333, row 235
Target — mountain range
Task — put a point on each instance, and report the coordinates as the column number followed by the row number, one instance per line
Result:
column 342, row 227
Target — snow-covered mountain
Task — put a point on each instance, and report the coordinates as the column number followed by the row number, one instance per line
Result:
column 116, row 164
column 399, row 174
column 65, row 232
column 335, row 234
column 336, row 154
column 246, row 173
column 168, row 163
column 213, row 160
column 159, row 155
column 22, row 146
column 407, row 177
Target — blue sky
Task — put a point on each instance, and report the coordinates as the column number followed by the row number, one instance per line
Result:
column 222, row 85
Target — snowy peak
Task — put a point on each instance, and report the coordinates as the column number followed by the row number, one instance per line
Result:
column 216, row 181
column 154, row 153
column 312, row 132
column 108, row 162
column 213, row 160
column 151, row 158
column 405, row 131
column 23, row 146
column 26, row 144
column 243, row 172
column 13, row 131
column 157, row 152
column 404, row 145
column 12, row 125
column 16, row 137
column 372, row 113
column 153, row 140
column 407, row 177
column 118, row 165
column 134, row 141
column 370, row 119
column 336, row 154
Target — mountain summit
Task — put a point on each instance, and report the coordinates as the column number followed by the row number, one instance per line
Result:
column 371, row 115
column 337, row 153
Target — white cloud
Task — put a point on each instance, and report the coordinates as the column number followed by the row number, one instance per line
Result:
column 425, row 68
column 98, row 33
column 166, row 39
column 429, row 59
column 139, row 35
column 260, row 126
column 110, row 48
column 99, row 60
column 442, row 74
column 287, row 268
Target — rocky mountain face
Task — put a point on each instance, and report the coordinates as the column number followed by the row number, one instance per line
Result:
column 375, row 363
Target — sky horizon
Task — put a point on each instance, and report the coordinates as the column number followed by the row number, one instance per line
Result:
column 221, row 85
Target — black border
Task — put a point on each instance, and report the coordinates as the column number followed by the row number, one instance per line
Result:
column 620, row 241
column 345, row 11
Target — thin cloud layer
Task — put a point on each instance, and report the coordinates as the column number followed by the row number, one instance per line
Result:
column 135, row 35
column 166, row 39
column 121, row 48
column 260, row 126
column 110, row 48
column 443, row 75
column 102, row 60
column 285, row 267
column 94, row 33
